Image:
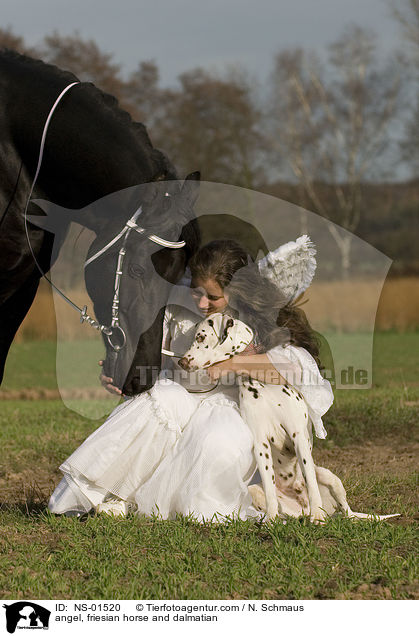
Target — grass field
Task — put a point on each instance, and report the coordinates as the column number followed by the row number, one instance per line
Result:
column 372, row 445
column 32, row 364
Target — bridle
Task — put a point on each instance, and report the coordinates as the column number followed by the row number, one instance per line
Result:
column 124, row 233
column 130, row 225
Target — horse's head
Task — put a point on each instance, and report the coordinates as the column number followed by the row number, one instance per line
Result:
column 217, row 338
column 149, row 269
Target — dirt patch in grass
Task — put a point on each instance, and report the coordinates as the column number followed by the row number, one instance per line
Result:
column 29, row 488
column 370, row 591
column 390, row 461
column 379, row 591
column 389, row 457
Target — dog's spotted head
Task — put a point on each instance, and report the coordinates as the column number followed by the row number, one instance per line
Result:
column 217, row 338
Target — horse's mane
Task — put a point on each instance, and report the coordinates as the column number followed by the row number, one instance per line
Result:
column 20, row 58
column 105, row 100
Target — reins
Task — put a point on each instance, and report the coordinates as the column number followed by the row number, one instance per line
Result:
column 124, row 233
column 83, row 312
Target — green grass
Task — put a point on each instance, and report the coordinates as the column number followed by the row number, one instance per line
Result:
column 33, row 364
column 358, row 415
column 41, row 430
column 105, row 558
column 43, row 556
column 396, row 358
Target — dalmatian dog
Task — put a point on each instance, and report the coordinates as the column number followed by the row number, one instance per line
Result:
column 282, row 431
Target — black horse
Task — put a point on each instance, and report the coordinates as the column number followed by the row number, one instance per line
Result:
column 93, row 149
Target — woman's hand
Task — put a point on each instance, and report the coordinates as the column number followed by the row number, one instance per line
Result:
column 108, row 383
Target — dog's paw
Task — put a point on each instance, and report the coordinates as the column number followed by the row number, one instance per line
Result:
column 258, row 497
column 318, row 516
column 272, row 510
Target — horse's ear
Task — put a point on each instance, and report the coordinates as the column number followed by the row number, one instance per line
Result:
column 55, row 218
column 190, row 186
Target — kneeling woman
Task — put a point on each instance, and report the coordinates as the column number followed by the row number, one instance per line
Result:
column 174, row 449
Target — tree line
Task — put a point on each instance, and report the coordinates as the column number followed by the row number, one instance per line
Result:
column 328, row 133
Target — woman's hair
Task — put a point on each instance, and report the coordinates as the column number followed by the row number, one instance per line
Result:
column 258, row 302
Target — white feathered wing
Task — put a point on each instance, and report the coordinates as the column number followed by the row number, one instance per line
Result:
column 291, row 266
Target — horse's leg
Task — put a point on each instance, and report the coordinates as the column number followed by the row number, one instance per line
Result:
column 12, row 313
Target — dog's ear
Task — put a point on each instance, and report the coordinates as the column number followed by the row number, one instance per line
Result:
column 241, row 335
column 215, row 322
column 227, row 327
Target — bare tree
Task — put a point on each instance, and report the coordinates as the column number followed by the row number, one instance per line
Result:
column 85, row 59
column 210, row 123
column 10, row 40
column 407, row 14
column 143, row 93
column 332, row 126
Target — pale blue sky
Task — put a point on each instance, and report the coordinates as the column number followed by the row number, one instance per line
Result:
column 182, row 34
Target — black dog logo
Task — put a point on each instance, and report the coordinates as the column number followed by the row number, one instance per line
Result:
column 26, row 615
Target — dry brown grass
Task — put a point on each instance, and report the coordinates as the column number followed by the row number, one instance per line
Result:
column 352, row 305
column 45, row 314
column 399, row 304
column 338, row 305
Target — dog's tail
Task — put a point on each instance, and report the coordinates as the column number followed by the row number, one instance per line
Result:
column 372, row 517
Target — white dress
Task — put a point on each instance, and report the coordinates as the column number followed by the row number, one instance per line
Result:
column 168, row 450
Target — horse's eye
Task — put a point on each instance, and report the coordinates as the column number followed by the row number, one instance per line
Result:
column 136, row 271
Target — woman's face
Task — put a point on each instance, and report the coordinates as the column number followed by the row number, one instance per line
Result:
column 208, row 296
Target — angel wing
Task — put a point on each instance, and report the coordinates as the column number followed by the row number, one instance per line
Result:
column 291, row 266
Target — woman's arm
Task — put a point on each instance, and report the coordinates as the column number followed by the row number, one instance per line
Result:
column 256, row 366
column 276, row 366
